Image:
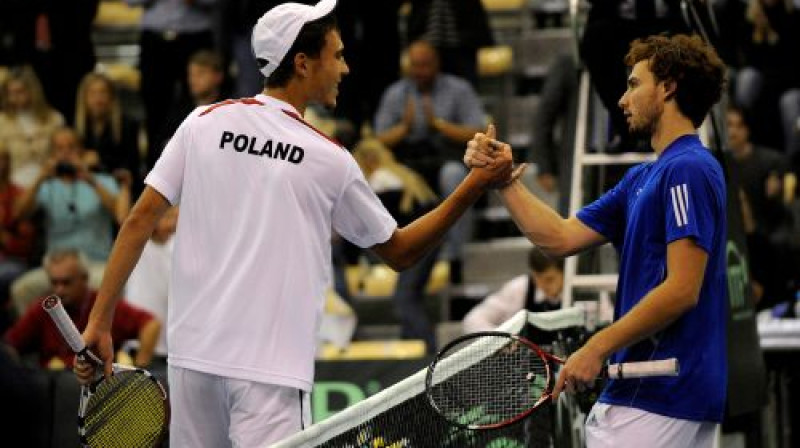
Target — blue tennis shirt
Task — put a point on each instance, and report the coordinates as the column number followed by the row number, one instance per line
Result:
column 679, row 195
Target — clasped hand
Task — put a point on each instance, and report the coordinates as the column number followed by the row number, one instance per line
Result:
column 484, row 151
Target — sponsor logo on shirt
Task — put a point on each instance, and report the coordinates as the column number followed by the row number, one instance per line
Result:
column 680, row 203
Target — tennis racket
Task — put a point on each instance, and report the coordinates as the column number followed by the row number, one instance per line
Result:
column 128, row 410
column 491, row 379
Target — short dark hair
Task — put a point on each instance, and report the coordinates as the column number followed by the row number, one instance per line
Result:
column 539, row 262
column 694, row 67
column 310, row 41
column 207, row 58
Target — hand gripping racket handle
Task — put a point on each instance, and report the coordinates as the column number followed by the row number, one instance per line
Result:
column 663, row 367
column 52, row 304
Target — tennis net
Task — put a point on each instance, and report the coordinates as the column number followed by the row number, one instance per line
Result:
column 401, row 417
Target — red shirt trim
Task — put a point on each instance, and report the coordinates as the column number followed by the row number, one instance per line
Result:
column 308, row 125
column 248, row 101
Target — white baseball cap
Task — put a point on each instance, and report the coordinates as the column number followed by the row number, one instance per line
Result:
column 277, row 29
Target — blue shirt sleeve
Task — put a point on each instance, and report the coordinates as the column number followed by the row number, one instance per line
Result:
column 469, row 107
column 391, row 108
column 607, row 215
column 693, row 203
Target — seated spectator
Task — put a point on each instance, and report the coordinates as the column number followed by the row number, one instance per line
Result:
column 110, row 136
column 79, row 208
column 205, row 75
column 26, row 123
column 538, row 291
column 761, row 174
column 148, row 284
column 16, row 238
column 457, row 28
column 553, row 129
column 426, row 120
column 406, row 196
column 768, row 84
column 67, row 272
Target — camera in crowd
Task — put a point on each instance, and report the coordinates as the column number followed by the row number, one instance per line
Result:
column 65, row 169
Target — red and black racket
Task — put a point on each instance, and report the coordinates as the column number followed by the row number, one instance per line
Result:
column 492, row 379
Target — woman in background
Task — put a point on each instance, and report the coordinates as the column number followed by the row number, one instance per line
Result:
column 26, row 123
column 109, row 135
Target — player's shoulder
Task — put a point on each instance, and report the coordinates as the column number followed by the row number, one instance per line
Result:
column 226, row 107
column 455, row 83
column 301, row 127
column 398, row 89
column 692, row 156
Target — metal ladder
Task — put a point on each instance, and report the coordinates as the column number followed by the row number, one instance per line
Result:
column 603, row 283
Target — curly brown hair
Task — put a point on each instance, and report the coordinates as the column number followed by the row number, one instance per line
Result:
column 694, row 66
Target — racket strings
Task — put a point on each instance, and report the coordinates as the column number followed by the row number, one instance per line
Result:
column 127, row 410
column 492, row 380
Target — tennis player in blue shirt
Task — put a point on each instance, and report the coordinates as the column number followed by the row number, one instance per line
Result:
column 667, row 220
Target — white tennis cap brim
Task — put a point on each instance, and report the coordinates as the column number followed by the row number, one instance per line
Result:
column 276, row 31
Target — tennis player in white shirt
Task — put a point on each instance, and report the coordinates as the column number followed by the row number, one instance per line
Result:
column 260, row 191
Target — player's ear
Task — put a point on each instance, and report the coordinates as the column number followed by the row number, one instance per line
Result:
column 301, row 65
column 670, row 89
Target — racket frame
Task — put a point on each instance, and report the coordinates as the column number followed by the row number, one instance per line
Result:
column 444, row 353
column 630, row 370
column 55, row 309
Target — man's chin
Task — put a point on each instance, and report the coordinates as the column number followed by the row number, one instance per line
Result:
column 638, row 133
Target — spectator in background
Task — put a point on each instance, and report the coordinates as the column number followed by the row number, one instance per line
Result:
column 148, row 284
column 761, row 174
column 426, row 119
column 550, row 151
column 110, row 136
column 406, row 196
column 205, row 75
column 172, row 31
column 26, row 123
column 768, row 85
column 16, row 239
column 457, row 28
column 537, row 291
column 79, row 207
column 17, row 31
column 69, row 279
column 370, row 29
column 761, row 171
column 238, row 18
column 64, row 49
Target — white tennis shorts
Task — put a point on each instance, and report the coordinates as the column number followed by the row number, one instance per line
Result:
column 217, row 412
column 624, row 427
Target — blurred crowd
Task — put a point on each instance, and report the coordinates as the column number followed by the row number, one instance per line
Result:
column 73, row 154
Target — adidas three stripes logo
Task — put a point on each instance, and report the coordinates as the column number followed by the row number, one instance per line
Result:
column 680, row 203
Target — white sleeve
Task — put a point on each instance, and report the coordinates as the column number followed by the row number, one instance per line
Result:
column 498, row 307
column 166, row 177
column 358, row 215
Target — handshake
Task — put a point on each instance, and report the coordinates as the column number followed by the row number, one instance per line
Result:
column 484, row 151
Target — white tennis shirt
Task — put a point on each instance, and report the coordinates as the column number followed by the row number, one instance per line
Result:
column 259, row 192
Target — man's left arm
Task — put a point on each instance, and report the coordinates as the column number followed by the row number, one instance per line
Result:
column 458, row 133
column 107, row 193
column 663, row 305
column 470, row 119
